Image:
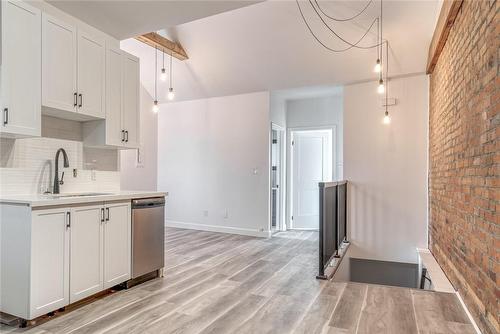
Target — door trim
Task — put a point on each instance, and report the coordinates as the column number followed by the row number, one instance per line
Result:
column 289, row 186
column 281, row 224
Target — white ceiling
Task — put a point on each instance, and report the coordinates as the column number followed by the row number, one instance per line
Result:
column 266, row 46
column 125, row 19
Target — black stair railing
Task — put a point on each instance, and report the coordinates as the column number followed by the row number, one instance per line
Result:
column 332, row 222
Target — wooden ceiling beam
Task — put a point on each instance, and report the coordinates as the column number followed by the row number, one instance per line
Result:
column 447, row 16
column 155, row 40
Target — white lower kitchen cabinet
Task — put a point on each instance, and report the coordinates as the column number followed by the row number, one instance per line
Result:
column 51, row 257
column 86, row 251
column 117, row 241
column 49, row 261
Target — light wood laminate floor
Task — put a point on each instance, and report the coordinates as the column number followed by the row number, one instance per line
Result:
column 222, row 283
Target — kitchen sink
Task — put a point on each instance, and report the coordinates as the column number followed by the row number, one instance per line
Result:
column 77, row 195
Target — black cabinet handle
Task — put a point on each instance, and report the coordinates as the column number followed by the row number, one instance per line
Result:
column 75, row 99
column 123, row 136
column 107, row 214
column 81, row 100
column 5, row 116
column 68, row 220
column 102, row 215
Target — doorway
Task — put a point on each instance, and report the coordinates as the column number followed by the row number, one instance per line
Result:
column 277, row 175
column 311, row 162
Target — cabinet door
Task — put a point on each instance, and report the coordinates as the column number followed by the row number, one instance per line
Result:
column 114, row 135
column 86, row 251
column 20, row 86
column 58, row 64
column 117, row 244
column 49, row 261
column 90, row 74
column 131, row 99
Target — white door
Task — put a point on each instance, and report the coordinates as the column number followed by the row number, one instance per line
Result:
column 49, row 261
column 90, row 74
column 311, row 164
column 117, row 244
column 58, row 64
column 130, row 106
column 86, row 251
column 114, row 130
column 20, row 85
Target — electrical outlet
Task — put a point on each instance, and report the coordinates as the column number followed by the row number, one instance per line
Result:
column 205, row 213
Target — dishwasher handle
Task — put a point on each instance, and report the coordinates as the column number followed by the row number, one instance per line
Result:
column 143, row 203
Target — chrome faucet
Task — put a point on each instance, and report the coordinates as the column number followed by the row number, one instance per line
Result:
column 58, row 182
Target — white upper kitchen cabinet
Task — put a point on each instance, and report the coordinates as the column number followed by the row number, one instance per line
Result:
column 130, row 113
column 90, row 74
column 86, row 251
column 73, row 70
column 114, row 130
column 117, row 244
column 121, row 127
column 20, row 69
column 59, row 42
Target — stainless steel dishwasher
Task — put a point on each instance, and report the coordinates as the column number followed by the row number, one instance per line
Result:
column 148, row 236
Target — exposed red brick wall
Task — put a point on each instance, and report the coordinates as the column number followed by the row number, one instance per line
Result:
column 464, row 153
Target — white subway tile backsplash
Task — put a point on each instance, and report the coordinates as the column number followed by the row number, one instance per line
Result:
column 27, row 166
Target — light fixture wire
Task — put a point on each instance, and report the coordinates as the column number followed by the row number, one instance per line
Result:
column 355, row 45
column 381, row 41
column 342, row 20
column 329, row 48
column 156, row 74
column 386, row 75
column 171, row 70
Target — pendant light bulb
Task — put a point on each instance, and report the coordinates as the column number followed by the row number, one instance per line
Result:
column 387, row 118
column 163, row 75
column 155, row 106
column 171, row 94
column 378, row 67
column 381, row 87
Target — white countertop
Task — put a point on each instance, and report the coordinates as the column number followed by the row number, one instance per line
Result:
column 38, row 200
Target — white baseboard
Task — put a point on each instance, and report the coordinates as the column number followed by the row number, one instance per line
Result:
column 476, row 327
column 220, row 229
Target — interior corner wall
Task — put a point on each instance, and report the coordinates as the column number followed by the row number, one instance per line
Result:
column 464, row 160
column 386, row 167
column 142, row 176
column 213, row 159
column 278, row 110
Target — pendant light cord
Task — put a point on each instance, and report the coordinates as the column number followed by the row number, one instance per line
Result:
column 171, row 69
column 329, row 48
column 355, row 45
column 381, row 39
column 342, row 20
column 156, row 74
column 386, row 73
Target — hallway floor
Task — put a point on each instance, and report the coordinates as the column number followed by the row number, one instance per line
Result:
column 222, row 283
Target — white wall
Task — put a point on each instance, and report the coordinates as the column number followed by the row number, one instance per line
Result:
column 208, row 151
column 142, row 176
column 320, row 112
column 386, row 166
